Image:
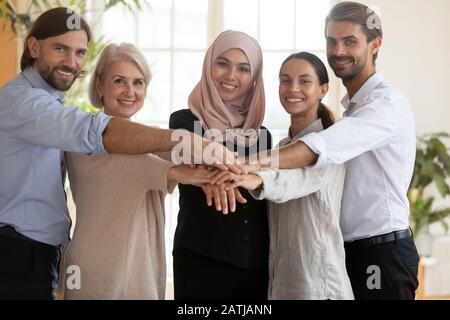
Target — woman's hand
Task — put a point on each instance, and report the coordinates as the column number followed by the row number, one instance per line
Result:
column 248, row 181
column 223, row 199
column 186, row 174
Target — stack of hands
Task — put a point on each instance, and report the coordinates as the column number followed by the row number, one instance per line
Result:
column 220, row 185
column 220, row 175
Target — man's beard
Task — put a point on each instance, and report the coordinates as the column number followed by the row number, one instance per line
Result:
column 356, row 68
column 49, row 75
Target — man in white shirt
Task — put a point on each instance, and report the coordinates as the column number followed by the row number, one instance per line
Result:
column 376, row 139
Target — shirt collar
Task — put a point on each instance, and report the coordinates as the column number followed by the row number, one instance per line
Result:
column 36, row 81
column 316, row 126
column 365, row 90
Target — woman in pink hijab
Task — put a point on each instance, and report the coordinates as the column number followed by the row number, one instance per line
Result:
column 224, row 256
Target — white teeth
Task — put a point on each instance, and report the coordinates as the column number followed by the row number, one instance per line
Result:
column 126, row 102
column 228, row 86
column 295, row 100
column 65, row 73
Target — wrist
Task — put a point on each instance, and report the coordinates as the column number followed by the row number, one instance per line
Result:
column 258, row 181
column 263, row 163
column 172, row 173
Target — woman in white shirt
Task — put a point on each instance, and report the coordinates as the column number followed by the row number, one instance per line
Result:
column 307, row 257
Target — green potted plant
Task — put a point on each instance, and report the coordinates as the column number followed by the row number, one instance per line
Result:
column 432, row 167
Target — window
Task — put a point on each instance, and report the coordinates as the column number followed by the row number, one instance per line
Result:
column 281, row 27
column 174, row 35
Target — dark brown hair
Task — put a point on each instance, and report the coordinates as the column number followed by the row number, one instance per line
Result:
column 360, row 14
column 323, row 112
column 52, row 23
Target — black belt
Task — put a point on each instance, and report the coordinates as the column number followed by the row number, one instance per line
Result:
column 377, row 240
column 10, row 232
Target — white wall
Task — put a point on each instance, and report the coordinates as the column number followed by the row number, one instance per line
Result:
column 415, row 57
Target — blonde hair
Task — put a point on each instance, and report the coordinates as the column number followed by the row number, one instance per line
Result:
column 113, row 53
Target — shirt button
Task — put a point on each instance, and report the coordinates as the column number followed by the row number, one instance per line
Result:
column 246, row 238
column 245, row 221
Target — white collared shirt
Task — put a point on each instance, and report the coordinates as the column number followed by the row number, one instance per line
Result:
column 376, row 138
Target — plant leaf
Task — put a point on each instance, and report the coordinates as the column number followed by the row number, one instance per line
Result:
column 444, row 225
column 439, row 215
column 441, row 185
column 429, row 169
column 422, row 222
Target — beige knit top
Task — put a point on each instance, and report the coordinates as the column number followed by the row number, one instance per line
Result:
column 118, row 241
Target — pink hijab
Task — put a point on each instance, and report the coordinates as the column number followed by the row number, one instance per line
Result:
column 245, row 114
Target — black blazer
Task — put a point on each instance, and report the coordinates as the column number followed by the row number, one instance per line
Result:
column 240, row 238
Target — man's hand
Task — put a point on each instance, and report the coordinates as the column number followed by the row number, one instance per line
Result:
column 223, row 199
column 247, row 165
column 189, row 175
column 217, row 155
column 193, row 149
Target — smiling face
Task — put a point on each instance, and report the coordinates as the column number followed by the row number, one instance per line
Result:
column 60, row 59
column 300, row 90
column 348, row 52
column 231, row 74
column 123, row 89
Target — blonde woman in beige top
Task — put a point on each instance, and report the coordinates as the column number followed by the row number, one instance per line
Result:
column 306, row 257
column 118, row 242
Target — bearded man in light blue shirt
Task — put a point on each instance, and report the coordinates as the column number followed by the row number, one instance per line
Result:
column 35, row 129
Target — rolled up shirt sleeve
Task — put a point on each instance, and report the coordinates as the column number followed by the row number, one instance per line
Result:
column 34, row 117
column 280, row 186
column 368, row 128
column 153, row 173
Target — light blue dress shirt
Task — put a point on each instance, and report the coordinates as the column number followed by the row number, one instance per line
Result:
column 34, row 129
